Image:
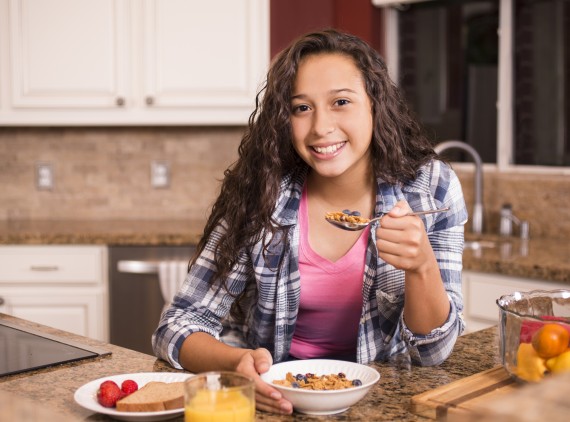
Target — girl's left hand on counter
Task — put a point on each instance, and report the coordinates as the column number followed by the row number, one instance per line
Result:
column 267, row 398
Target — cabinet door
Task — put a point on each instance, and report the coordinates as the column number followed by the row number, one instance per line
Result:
column 481, row 291
column 81, row 314
column 60, row 286
column 205, row 57
column 68, row 53
column 131, row 62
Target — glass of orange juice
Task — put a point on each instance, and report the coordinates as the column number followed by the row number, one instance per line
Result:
column 219, row 396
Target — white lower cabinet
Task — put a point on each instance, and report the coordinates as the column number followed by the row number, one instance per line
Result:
column 481, row 291
column 64, row 287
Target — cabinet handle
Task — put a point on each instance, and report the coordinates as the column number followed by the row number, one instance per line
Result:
column 44, row 268
column 120, row 101
column 149, row 100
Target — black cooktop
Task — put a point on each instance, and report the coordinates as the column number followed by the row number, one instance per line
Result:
column 22, row 349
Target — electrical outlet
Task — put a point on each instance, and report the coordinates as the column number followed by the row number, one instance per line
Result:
column 159, row 174
column 44, row 176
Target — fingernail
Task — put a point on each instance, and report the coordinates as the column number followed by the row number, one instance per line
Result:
column 275, row 395
column 264, row 366
column 285, row 408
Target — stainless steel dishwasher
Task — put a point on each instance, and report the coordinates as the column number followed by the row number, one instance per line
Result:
column 136, row 300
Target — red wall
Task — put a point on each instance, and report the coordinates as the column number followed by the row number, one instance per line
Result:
column 292, row 18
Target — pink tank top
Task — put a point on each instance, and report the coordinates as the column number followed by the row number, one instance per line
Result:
column 331, row 298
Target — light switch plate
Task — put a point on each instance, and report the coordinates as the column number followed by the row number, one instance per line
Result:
column 44, row 176
column 159, row 174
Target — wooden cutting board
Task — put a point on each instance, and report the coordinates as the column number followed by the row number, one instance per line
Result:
column 464, row 395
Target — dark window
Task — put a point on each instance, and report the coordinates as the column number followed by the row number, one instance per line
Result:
column 542, row 82
column 448, row 69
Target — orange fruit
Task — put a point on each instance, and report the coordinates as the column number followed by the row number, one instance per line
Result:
column 550, row 341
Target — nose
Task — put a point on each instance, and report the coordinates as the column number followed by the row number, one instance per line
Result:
column 323, row 123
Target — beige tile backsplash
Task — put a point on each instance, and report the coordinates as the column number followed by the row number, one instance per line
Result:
column 541, row 199
column 104, row 173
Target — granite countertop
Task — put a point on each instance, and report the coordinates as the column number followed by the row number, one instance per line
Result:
column 537, row 258
column 101, row 232
column 51, row 390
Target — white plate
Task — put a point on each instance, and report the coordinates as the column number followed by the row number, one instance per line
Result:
column 86, row 396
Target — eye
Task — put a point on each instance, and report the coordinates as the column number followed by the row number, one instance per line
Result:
column 300, row 108
column 342, row 102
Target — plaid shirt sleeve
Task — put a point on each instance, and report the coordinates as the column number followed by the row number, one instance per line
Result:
column 446, row 235
column 199, row 306
column 384, row 332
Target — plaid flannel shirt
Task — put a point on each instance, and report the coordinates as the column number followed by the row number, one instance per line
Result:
column 272, row 282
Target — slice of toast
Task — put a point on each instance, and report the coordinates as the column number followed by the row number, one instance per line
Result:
column 154, row 397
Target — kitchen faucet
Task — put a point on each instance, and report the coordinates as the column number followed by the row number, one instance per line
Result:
column 478, row 203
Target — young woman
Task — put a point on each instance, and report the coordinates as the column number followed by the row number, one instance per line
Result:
column 273, row 280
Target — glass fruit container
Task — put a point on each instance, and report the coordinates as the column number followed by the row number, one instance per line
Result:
column 534, row 333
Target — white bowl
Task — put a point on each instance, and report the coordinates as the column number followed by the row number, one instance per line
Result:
column 327, row 402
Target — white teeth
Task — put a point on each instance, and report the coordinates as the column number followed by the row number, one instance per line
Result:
column 328, row 150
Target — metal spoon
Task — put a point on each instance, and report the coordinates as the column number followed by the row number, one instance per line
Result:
column 346, row 225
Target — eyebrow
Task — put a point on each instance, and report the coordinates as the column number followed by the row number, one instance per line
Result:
column 332, row 91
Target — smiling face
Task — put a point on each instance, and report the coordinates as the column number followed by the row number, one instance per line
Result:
column 331, row 116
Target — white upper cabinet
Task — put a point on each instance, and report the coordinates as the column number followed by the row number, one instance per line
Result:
column 131, row 62
column 67, row 53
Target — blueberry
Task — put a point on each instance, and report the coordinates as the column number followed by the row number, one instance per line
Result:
column 341, row 375
column 355, row 213
column 301, row 377
column 346, row 211
column 295, row 384
column 356, row 382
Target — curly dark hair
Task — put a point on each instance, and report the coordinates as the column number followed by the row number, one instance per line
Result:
column 266, row 154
